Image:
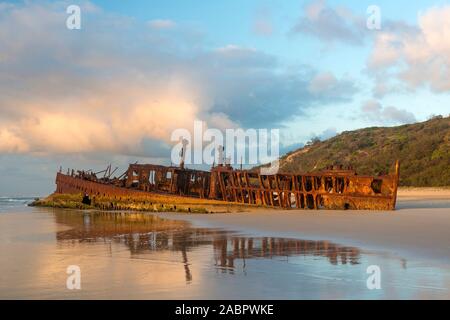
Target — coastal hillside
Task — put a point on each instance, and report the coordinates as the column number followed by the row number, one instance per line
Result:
column 422, row 148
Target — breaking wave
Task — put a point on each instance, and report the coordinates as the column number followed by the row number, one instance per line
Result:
column 7, row 203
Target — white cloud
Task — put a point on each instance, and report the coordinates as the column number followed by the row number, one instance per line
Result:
column 416, row 57
column 331, row 24
column 117, row 86
column 162, row 24
column 374, row 111
column 327, row 84
column 372, row 107
column 323, row 81
column 67, row 91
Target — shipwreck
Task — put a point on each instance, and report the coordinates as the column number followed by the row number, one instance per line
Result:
column 336, row 187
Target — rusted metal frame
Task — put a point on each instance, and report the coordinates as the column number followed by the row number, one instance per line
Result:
column 218, row 183
column 247, row 182
column 314, row 191
column 333, row 178
column 281, row 198
column 237, row 189
column 244, row 188
column 263, row 192
column 276, row 189
column 187, row 180
column 296, row 191
column 206, row 182
column 241, row 187
column 357, row 195
column 281, row 184
column 172, row 180
column 396, row 182
column 300, row 197
column 233, row 186
column 291, row 190
column 143, row 177
column 272, row 179
column 286, row 190
column 281, row 193
column 222, row 186
column 227, row 187
column 304, row 193
column 268, row 191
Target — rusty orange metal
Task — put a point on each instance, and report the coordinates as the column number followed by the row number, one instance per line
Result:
column 333, row 188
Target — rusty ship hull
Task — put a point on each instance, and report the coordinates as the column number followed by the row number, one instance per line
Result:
column 334, row 188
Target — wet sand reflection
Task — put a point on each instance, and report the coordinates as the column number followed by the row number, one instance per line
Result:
column 145, row 233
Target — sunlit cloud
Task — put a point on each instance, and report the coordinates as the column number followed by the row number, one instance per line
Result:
column 416, row 56
column 116, row 83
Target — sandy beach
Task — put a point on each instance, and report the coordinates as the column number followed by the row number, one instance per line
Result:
column 419, row 228
column 262, row 254
column 424, row 194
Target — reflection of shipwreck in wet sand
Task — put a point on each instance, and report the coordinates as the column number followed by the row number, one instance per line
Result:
column 143, row 233
column 334, row 188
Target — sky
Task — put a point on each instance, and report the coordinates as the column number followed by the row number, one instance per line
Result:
column 114, row 90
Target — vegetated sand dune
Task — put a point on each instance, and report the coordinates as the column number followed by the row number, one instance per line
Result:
column 422, row 149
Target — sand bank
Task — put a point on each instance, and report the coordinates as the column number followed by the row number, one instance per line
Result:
column 424, row 194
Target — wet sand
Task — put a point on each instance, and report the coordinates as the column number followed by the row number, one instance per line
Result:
column 419, row 228
column 258, row 255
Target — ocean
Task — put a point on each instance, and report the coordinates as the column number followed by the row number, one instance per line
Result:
column 7, row 204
